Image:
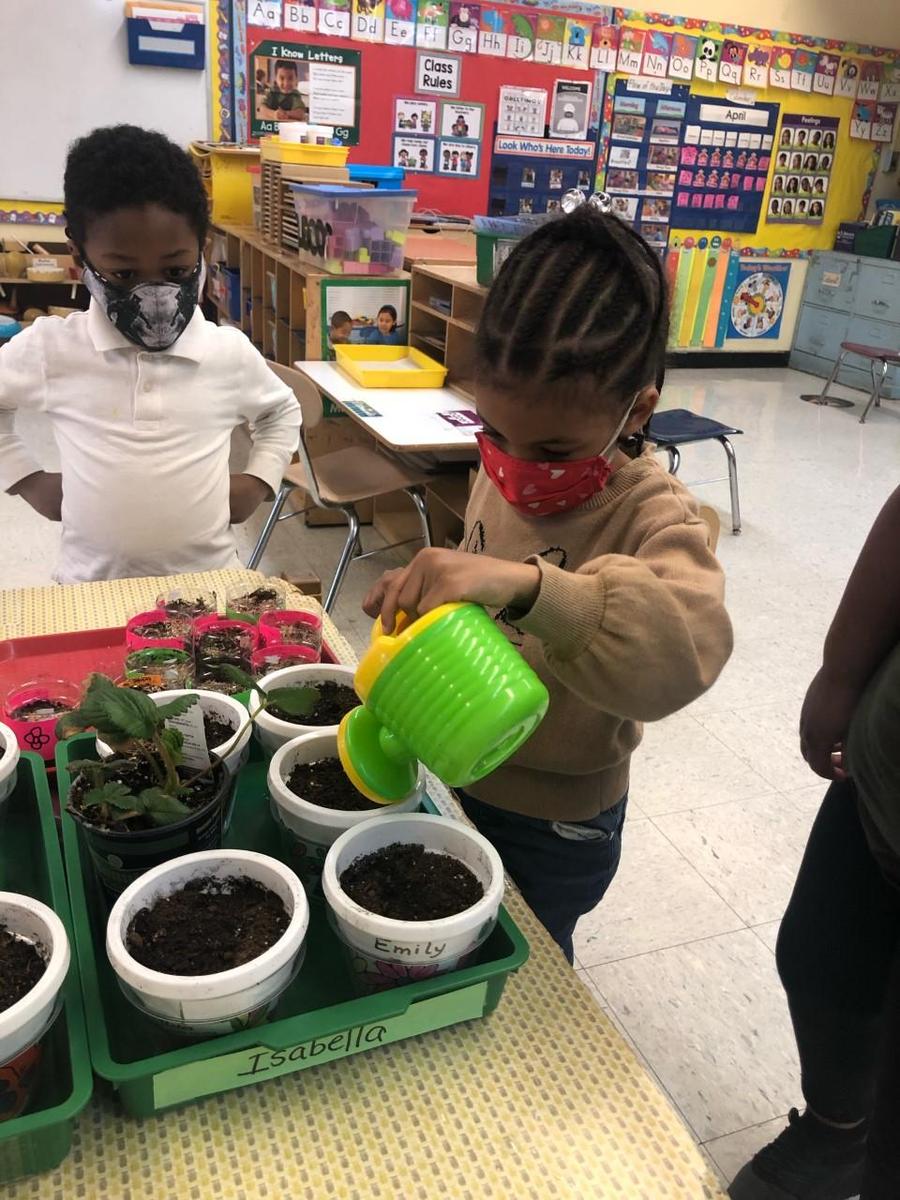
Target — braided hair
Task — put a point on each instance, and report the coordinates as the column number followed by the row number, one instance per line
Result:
column 583, row 296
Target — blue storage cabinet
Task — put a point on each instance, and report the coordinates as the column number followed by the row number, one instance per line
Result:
column 848, row 299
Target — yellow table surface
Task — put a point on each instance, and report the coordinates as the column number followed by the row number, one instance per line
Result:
column 541, row 1099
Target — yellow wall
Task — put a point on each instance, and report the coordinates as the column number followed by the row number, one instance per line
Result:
column 875, row 22
column 853, row 161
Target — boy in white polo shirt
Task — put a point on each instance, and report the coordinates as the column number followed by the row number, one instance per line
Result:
column 142, row 392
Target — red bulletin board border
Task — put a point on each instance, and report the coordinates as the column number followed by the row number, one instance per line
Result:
column 390, row 71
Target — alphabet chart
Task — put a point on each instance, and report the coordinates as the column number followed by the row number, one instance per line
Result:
column 724, row 161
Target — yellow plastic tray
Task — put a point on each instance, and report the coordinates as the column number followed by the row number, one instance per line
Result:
column 304, row 152
column 359, row 363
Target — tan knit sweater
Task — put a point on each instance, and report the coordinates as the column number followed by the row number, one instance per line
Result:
column 629, row 626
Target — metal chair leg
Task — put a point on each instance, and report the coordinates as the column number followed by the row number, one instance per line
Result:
column 418, row 500
column 733, row 485
column 823, row 397
column 877, row 384
column 271, row 521
column 674, row 459
column 346, row 557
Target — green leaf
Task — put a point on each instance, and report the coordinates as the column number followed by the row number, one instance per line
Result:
column 247, row 618
column 117, row 714
column 295, row 701
column 231, row 674
column 160, row 807
column 112, row 793
column 173, row 741
column 176, row 707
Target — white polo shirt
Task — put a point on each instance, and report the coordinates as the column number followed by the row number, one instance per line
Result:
column 144, row 439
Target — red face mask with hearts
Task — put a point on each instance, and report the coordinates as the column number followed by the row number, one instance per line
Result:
column 546, row 489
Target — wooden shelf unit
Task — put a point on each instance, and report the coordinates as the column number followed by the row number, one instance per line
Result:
column 446, row 304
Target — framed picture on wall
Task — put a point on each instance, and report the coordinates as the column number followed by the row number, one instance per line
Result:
column 570, row 112
column 414, row 153
column 372, row 312
column 462, row 120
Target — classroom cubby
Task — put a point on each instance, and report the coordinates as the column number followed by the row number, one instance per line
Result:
column 445, row 310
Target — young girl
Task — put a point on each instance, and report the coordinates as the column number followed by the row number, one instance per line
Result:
column 384, row 331
column 595, row 562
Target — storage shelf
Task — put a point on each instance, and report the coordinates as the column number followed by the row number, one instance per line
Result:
column 432, row 312
column 41, row 282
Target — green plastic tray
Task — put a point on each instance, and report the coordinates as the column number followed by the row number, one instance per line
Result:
column 31, row 863
column 319, row 1018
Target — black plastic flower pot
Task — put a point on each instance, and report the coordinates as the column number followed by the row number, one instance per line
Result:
column 119, row 858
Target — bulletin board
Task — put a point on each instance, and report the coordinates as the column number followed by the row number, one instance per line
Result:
column 449, row 166
column 766, row 70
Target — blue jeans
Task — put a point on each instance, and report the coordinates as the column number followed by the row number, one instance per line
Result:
column 562, row 868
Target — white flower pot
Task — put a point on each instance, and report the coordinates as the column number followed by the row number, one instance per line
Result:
column 209, row 1005
column 271, row 732
column 26, row 1021
column 9, row 763
column 386, row 952
column 309, row 828
column 232, row 752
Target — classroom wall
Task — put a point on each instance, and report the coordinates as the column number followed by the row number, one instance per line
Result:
column 875, row 22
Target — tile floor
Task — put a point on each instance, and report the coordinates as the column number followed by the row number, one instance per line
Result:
column 681, row 952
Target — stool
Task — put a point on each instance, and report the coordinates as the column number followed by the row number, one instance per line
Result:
column 875, row 354
column 677, row 427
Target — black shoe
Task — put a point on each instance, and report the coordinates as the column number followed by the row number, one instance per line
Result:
column 807, row 1161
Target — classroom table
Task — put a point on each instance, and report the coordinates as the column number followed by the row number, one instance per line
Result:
column 407, row 419
column 541, row 1099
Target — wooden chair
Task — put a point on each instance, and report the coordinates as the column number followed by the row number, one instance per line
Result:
column 874, row 354
column 339, row 480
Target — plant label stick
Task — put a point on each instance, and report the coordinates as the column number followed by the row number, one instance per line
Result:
column 194, row 751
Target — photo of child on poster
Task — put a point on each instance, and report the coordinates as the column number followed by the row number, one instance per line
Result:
column 282, row 90
column 291, row 82
column 355, row 315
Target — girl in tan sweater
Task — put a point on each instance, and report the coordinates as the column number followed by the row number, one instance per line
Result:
column 594, row 559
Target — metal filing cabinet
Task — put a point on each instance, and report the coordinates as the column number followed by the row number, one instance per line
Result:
column 848, row 299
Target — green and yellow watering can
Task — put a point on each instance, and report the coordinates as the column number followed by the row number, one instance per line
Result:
column 447, row 690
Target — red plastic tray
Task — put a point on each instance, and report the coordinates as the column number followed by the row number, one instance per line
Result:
column 69, row 656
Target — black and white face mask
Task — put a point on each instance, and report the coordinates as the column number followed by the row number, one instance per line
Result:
column 152, row 315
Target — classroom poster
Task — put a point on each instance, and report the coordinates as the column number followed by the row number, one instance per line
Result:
column 413, row 114
column 861, row 121
column 883, row 123
column 549, row 34
column 414, row 153
column 492, row 33
column 459, row 159
column 780, row 65
column 804, row 162
column 706, row 64
column 297, row 82
column 825, row 74
column 724, row 160
column 462, row 32
column 571, row 109
column 432, row 21
column 367, row 23
column 522, row 110
column 643, row 157
column 400, row 22
column 350, row 312
column 847, row 81
column 462, row 120
column 756, row 305
column 682, row 55
column 604, row 48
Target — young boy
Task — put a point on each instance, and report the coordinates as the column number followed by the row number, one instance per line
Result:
column 283, row 102
column 142, row 393
column 340, row 328
column 596, row 564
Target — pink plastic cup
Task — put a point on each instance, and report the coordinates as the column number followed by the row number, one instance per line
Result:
column 38, row 736
column 271, row 625
column 137, row 641
column 281, row 654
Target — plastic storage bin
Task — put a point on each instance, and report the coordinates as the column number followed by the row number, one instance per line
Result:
column 319, row 1018
column 390, row 366
column 41, row 1138
column 345, row 230
column 378, row 177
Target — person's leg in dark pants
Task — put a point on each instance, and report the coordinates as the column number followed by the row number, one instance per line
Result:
column 835, row 953
column 562, row 869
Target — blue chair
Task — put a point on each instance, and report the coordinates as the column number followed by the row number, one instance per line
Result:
column 677, row 427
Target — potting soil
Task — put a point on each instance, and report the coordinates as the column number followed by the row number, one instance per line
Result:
column 334, row 702
column 137, row 775
column 156, row 629
column 217, row 730
column 207, row 926
column 21, row 966
column 409, row 883
column 297, row 634
column 324, row 783
column 39, row 710
column 260, row 600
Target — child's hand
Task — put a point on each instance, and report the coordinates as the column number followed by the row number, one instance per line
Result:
column 824, row 721
column 43, row 491
column 246, row 495
column 438, row 576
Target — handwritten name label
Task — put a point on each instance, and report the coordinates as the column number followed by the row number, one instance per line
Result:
column 348, row 1041
column 415, row 950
